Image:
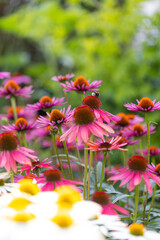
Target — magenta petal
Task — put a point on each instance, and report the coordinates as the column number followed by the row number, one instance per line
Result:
column 127, row 179
column 120, row 209
column 137, row 178
column 47, row 187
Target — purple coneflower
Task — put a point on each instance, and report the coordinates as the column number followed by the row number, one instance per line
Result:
column 20, row 125
column 85, row 124
column 61, row 78
column 11, row 88
column 11, row 152
column 145, row 104
column 137, row 130
column 133, row 174
column 46, row 102
column 82, row 85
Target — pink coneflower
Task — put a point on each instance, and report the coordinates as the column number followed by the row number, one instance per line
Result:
column 61, row 78
column 82, row 85
column 53, row 179
column 46, row 102
column 11, row 88
column 35, row 165
column 137, row 130
column 55, row 118
column 18, row 78
column 20, row 125
column 137, row 168
column 134, row 119
column 95, row 104
column 85, row 124
column 10, row 152
column 21, row 112
column 154, row 169
column 111, row 144
column 123, row 121
column 145, row 104
column 4, row 75
column 153, row 151
column 109, row 208
column 128, row 141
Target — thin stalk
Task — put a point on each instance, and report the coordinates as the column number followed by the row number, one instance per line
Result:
column 24, row 139
column 82, row 96
column 13, row 104
column 85, row 170
column 124, row 158
column 153, row 160
column 103, row 167
column 136, row 203
column 66, row 152
column 89, row 172
column 148, row 133
column 152, row 201
column 56, row 150
column 11, row 176
column 144, row 206
column 109, row 162
column 95, row 171
column 140, row 147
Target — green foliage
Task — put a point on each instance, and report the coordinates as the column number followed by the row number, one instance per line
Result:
column 97, row 39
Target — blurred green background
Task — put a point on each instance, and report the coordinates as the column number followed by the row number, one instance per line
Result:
column 117, row 41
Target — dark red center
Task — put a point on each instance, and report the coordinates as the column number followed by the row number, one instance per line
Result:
column 8, row 142
column 137, row 163
column 106, row 145
column 83, row 115
column 138, row 128
column 124, row 121
column 92, row 101
column 53, row 175
column 100, row 197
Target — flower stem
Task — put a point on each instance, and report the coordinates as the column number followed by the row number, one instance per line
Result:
column 103, row 167
column 140, row 147
column 153, row 160
column 152, row 201
column 147, row 122
column 89, row 173
column 124, row 158
column 85, row 170
column 66, row 151
column 56, row 150
column 82, row 96
column 136, row 203
column 13, row 104
column 95, row 169
column 11, row 176
column 144, row 206
column 24, row 139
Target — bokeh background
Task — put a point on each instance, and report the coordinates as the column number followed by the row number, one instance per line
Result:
column 117, row 41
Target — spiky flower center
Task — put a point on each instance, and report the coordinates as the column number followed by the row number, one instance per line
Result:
column 8, row 142
column 83, row 115
column 23, row 217
column 2, row 182
column 92, row 101
column 56, row 115
column 106, row 145
column 137, row 229
column 153, row 149
column 21, row 122
column 146, row 102
column 18, row 110
column 157, row 168
column 11, row 85
column 100, row 197
column 80, row 81
column 62, row 78
column 138, row 128
column 35, row 163
column 124, row 121
column 130, row 116
column 122, row 140
column 45, row 99
column 53, row 175
column 63, row 220
column 137, row 163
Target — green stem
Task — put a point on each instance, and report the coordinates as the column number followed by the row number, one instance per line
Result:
column 89, row 172
column 13, row 104
column 152, row 201
column 124, row 158
column 95, row 169
column 144, row 207
column 140, row 147
column 66, row 152
column 103, row 167
column 136, row 203
column 56, row 150
column 82, row 96
column 11, row 176
column 85, row 170
column 24, row 139
column 153, row 160
column 147, row 122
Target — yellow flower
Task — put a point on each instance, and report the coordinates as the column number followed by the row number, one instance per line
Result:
column 19, row 204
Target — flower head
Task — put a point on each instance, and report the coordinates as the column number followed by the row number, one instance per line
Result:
column 145, row 104
column 46, row 102
column 81, row 85
column 137, row 130
column 11, row 152
column 95, row 104
column 154, row 151
column 11, row 88
column 62, row 79
column 85, row 124
column 109, row 208
column 133, row 174
column 20, row 125
column 111, row 144
column 21, row 112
